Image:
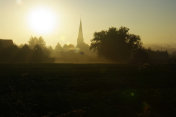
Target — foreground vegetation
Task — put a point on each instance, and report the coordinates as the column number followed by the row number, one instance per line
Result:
column 92, row 90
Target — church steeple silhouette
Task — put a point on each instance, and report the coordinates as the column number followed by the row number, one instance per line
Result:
column 80, row 40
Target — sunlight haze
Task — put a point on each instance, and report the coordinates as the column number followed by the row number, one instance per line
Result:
column 153, row 20
column 42, row 20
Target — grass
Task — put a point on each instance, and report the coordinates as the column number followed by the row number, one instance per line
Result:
column 87, row 90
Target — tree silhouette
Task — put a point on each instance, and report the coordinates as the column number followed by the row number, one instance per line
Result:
column 37, row 41
column 25, row 53
column 116, row 44
column 58, row 47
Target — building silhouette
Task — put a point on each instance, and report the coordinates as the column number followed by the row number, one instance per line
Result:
column 80, row 41
column 4, row 43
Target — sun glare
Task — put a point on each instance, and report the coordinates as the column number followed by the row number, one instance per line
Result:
column 42, row 20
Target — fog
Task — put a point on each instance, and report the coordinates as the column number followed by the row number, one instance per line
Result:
column 115, row 45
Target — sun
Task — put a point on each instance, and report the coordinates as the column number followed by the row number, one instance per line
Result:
column 42, row 20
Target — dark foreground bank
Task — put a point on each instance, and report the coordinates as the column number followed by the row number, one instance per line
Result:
column 92, row 90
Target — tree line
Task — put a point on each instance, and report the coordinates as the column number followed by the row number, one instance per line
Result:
column 35, row 51
column 120, row 46
column 117, row 45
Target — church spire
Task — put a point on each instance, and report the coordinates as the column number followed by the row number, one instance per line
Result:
column 80, row 39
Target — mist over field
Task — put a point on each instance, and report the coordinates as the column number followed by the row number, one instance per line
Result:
column 87, row 58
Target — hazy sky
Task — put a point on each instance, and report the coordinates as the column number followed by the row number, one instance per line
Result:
column 153, row 20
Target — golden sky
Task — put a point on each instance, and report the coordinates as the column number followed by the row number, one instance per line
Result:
column 153, row 20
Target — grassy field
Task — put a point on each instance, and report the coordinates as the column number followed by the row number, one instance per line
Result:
column 87, row 90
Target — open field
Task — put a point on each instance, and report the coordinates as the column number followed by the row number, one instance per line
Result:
column 87, row 90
